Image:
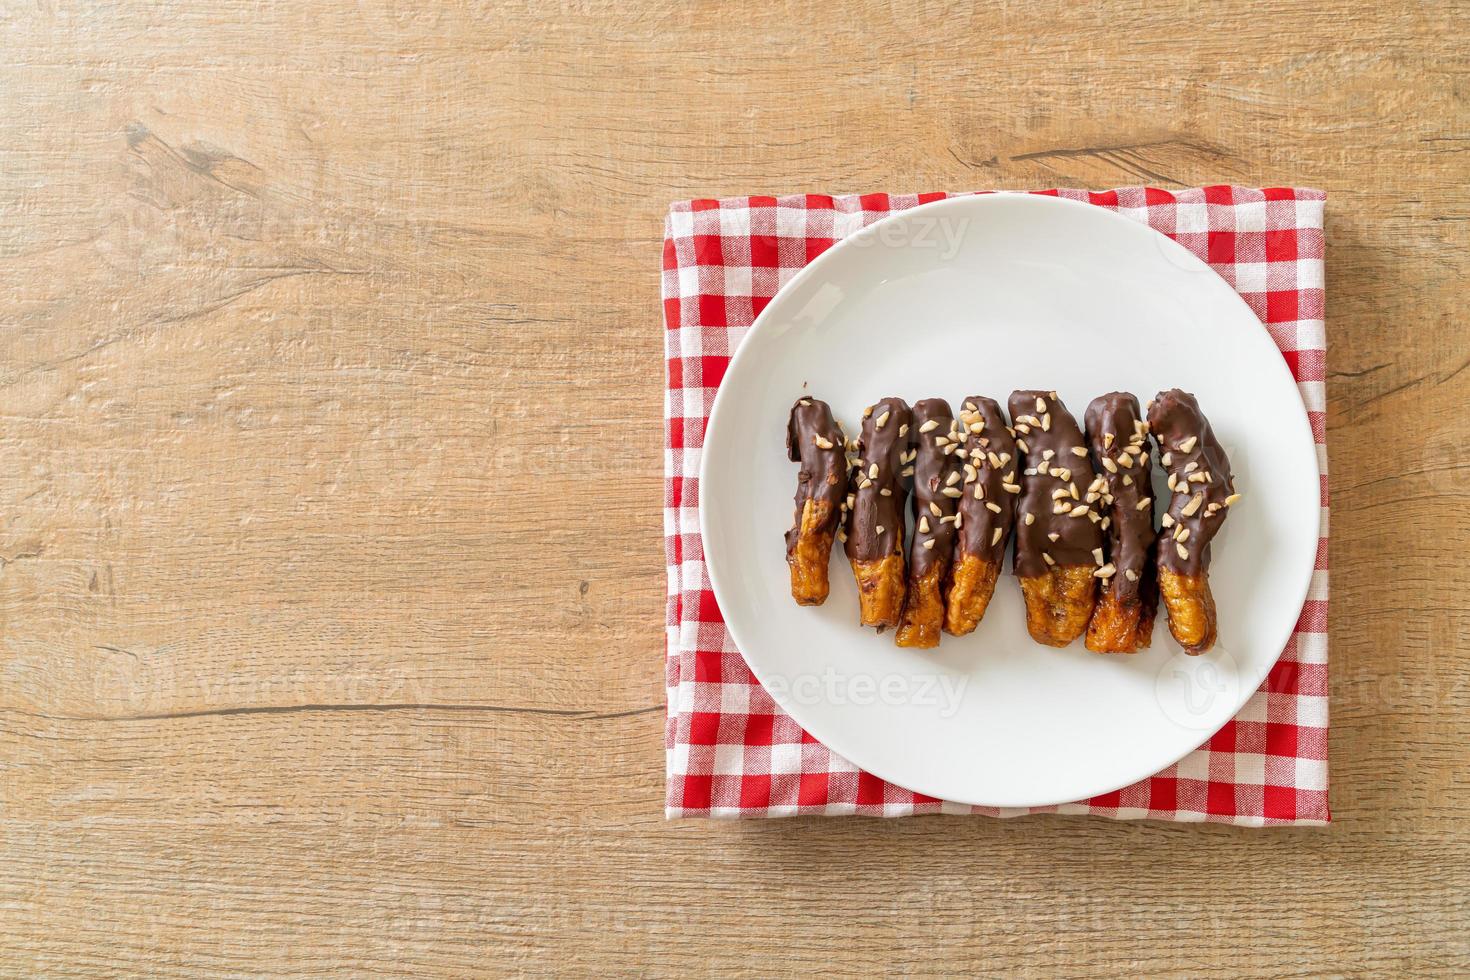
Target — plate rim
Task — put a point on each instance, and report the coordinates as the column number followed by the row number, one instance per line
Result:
column 1249, row 686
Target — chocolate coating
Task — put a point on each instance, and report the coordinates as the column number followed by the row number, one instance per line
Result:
column 823, row 474
column 1117, row 433
column 992, row 444
column 1189, row 445
column 1047, row 434
column 934, row 465
column 885, row 445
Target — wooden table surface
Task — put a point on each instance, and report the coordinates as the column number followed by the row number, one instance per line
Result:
column 331, row 563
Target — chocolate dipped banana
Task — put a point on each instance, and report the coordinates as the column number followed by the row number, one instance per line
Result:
column 814, row 440
column 987, row 511
column 875, row 517
column 1058, row 538
column 1117, row 434
column 1201, row 489
column 937, row 489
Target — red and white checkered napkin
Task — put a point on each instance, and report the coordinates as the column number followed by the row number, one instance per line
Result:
column 731, row 751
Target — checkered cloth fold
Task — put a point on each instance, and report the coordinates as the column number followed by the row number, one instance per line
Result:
column 731, row 752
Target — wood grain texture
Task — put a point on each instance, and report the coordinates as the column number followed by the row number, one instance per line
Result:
column 313, row 312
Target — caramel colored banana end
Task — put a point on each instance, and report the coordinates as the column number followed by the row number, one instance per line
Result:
column 969, row 594
column 1059, row 603
column 1120, row 625
column 810, row 559
column 923, row 612
column 1191, row 608
column 880, row 590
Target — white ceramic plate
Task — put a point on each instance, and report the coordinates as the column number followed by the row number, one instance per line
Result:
column 982, row 295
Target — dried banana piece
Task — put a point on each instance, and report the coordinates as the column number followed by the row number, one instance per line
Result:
column 1118, row 437
column 1201, row 490
column 990, row 463
column 875, row 518
column 814, row 440
column 938, row 485
column 1058, row 536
